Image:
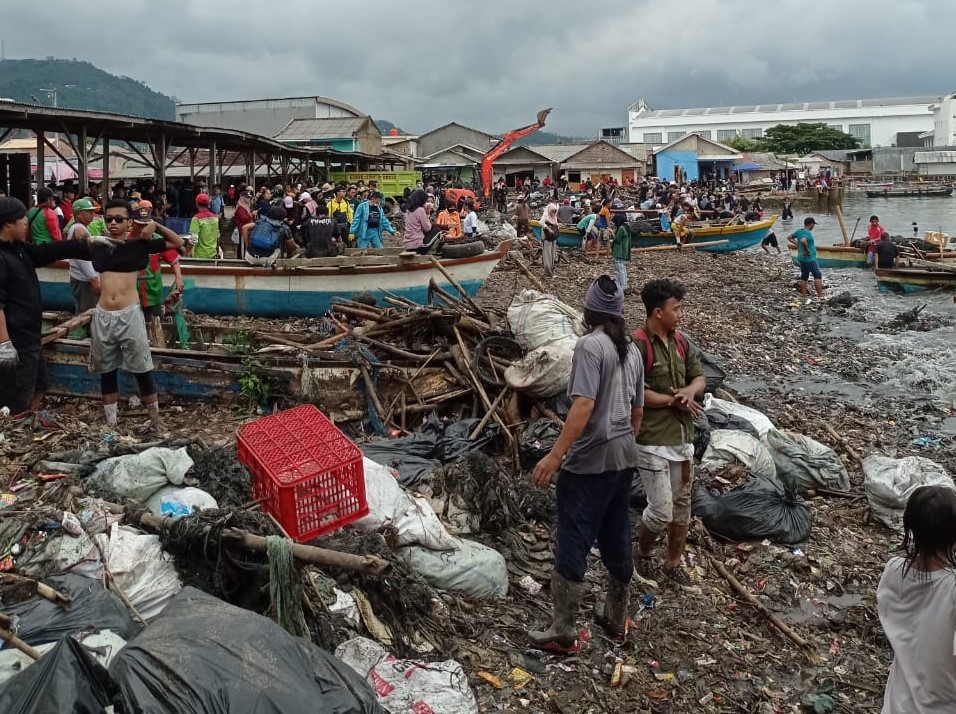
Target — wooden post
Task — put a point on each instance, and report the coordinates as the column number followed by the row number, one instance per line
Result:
column 41, row 160
column 105, row 181
column 838, row 211
column 82, row 158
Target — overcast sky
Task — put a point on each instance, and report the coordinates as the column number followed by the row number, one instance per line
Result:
column 493, row 64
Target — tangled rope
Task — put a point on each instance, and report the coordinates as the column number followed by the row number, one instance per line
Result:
column 284, row 586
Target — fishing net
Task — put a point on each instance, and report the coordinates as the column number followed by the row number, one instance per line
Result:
column 285, row 587
column 220, row 474
column 499, row 500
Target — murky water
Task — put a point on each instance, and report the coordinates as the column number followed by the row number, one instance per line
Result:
column 896, row 214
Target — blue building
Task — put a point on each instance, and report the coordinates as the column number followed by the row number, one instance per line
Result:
column 693, row 157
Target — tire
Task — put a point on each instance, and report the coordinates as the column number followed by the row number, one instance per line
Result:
column 460, row 249
column 389, row 207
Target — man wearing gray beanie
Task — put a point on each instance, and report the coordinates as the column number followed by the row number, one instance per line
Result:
column 23, row 377
column 594, row 460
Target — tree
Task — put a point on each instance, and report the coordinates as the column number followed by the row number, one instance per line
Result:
column 801, row 139
column 742, row 144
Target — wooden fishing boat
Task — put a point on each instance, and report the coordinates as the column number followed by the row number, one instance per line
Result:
column 847, row 256
column 737, row 237
column 914, row 280
column 301, row 287
column 217, row 356
column 874, row 186
column 911, row 191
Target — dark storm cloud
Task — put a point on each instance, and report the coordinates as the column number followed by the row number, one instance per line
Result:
column 493, row 64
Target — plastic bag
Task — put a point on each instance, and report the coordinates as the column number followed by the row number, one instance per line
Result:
column 140, row 475
column 714, row 372
column 536, row 442
column 805, row 463
column 413, row 518
column 204, row 656
column 537, row 319
column 39, row 621
column 758, row 509
column 406, row 685
column 472, row 568
column 102, row 644
column 180, row 501
column 417, row 455
column 889, row 483
column 66, row 679
column 140, row 567
column 543, row 372
column 727, row 447
column 757, row 420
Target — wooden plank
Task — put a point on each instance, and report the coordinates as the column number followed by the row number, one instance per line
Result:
column 686, row 246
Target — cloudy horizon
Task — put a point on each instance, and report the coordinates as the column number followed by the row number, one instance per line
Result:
column 424, row 65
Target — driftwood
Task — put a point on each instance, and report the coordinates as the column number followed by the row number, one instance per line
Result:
column 692, row 246
column 6, row 634
column 539, row 286
column 489, row 414
column 42, row 589
column 457, row 286
column 371, row 564
column 738, row 588
column 64, row 328
column 832, row 432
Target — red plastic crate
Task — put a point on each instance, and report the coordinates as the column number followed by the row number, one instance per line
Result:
column 309, row 473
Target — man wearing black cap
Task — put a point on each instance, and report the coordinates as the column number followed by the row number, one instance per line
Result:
column 595, row 454
column 23, row 378
column 802, row 241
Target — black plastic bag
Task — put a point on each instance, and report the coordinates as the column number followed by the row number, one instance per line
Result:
column 714, row 371
column 66, row 679
column 417, row 455
column 717, row 419
column 536, row 442
column 39, row 621
column 758, row 509
column 203, row 656
column 702, row 431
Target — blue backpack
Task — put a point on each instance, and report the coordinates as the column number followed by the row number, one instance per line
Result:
column 266, row 235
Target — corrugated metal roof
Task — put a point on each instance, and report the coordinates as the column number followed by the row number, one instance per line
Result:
column 557, row 153
column 797, row 106
column 306, row 129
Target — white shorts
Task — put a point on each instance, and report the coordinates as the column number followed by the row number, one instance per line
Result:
column 118, row 340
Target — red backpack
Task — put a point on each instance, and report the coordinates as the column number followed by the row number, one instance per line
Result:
column 640, row 334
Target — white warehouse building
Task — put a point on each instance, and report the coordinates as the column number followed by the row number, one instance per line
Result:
column 874, row 122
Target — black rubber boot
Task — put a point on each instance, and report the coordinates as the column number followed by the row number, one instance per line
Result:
column 611, row 614
column 562, row 636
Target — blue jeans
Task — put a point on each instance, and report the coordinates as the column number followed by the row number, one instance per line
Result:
column 594, row 507
column 620, row 270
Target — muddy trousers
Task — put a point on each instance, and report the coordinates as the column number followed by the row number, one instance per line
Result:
column 594, row 507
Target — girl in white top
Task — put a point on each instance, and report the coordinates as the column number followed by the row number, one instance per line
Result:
column 470, row 225
column 916, row 600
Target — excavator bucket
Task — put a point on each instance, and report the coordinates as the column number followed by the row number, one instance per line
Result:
column 543, row 115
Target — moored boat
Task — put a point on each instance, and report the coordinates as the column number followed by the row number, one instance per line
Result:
column 848, row 256
column 913, row 280
column 911, row 191
column 737, row 237
column 301, row 287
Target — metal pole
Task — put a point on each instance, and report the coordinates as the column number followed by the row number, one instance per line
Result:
column 106, row 167
column 41, row 160
column 82, row 160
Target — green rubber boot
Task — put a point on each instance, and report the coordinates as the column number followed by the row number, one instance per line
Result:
column 611, row 614
column 562, row 636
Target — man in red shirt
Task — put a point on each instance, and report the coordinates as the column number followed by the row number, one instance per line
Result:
column 66, row 203
column 42, row 219
column 873, row 233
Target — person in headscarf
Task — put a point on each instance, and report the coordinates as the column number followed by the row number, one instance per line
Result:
column 243, row 216
column 593, row 460
column 417, row 224
column 621, row 250
column 550, row 229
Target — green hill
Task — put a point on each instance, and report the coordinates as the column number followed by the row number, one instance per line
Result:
column 546, row 137
column 80, row 85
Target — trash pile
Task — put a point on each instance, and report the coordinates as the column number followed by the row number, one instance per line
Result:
column 157, row 575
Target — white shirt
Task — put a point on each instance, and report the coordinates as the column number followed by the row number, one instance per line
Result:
column 81, row 270
column 918, row 614
column 470, row 224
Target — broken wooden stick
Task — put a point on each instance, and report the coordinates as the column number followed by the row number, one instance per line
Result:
column 43, row 590
column 528, row 274
column 489, row 414
column 457, row 286
column 371, row 564
column 6, row 634
column 64, row 328
column 746, row 595
column 839, row 439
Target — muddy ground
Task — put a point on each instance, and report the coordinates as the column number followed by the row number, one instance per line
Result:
column 701, row 649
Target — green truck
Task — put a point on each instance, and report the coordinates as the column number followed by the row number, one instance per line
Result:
column 391, row 183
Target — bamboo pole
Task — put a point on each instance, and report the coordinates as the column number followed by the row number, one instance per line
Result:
column 656, row 248
column 489, row 414
column 838, row 212
column 528, row 274
column 6, row 634
column 457, row 286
